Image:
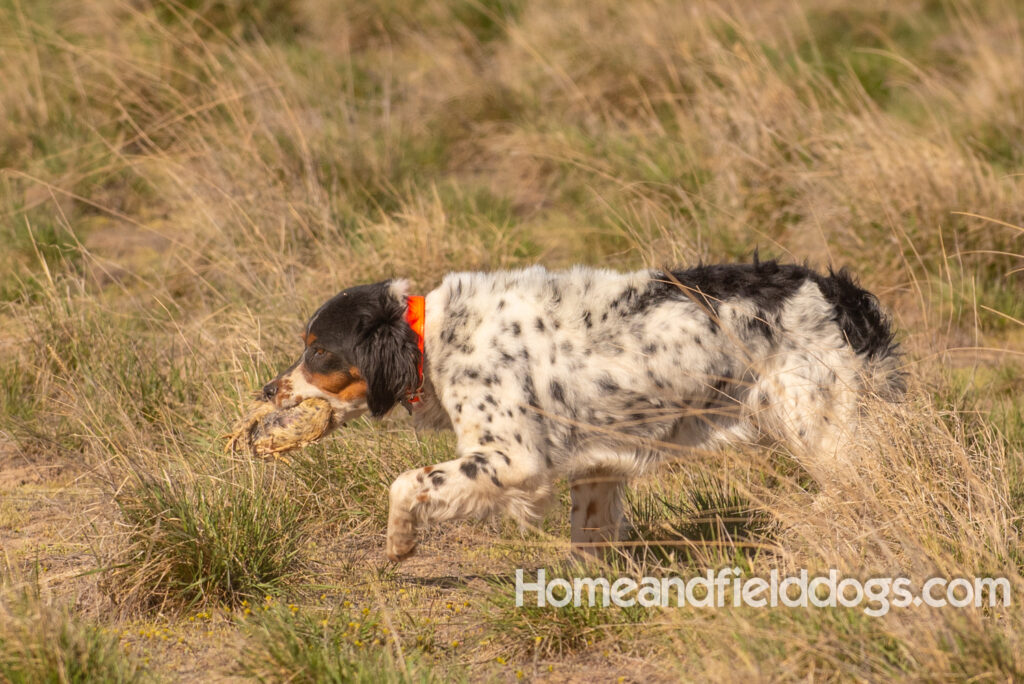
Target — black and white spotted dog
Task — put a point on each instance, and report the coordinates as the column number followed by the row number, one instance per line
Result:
column 583, row 373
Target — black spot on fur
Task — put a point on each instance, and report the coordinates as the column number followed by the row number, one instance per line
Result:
column 539, row 324
column 531, row 392
column 516, row 330
column 606, row 384
column 468, row 469
column 627, row 300
column 557, row 391
column 758, row 325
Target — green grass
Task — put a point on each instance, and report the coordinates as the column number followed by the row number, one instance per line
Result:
column 703, row 520
column 41, row 643
column 531, row 631
column 209, row 538
column 340, row 644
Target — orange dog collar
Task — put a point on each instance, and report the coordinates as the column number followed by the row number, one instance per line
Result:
column 415, row 315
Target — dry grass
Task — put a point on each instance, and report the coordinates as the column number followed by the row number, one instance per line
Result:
column 184, row 180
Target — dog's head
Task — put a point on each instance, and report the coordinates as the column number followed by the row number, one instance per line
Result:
column 360, row 354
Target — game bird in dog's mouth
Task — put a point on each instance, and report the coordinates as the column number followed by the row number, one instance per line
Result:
column 584, row 373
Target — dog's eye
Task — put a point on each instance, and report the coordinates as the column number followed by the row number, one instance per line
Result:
column 319, row 351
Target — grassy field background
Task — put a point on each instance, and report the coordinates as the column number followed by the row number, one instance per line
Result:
column 183, row 181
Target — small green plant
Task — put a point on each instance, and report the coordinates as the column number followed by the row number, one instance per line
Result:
column 341, row 644
column 40, row 643
column 548, row 630
column 199, row 538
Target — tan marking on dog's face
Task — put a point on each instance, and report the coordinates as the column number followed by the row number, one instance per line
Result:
column 345, row 385
column 308, row 338
column 330, row 383
column 356, row 390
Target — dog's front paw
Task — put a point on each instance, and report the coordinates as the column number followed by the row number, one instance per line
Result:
column 400, row 550
column 400, row 544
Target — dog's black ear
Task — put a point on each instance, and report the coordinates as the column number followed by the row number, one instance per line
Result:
column 388, row 355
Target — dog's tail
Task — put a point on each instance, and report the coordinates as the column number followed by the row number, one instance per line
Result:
column 868, row 330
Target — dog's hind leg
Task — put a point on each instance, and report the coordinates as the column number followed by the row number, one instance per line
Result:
column 597, row 517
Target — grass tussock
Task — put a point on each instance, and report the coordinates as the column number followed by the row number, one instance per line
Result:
column 183, row 182
column 40, row 642
column 198, row 538
column 334, row 645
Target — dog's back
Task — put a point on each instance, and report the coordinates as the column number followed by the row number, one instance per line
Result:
column 598, row 361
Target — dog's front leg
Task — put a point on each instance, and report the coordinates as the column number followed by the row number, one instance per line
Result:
column 483, row 482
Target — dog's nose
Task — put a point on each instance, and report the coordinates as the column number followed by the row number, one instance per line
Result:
column 269, row 390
